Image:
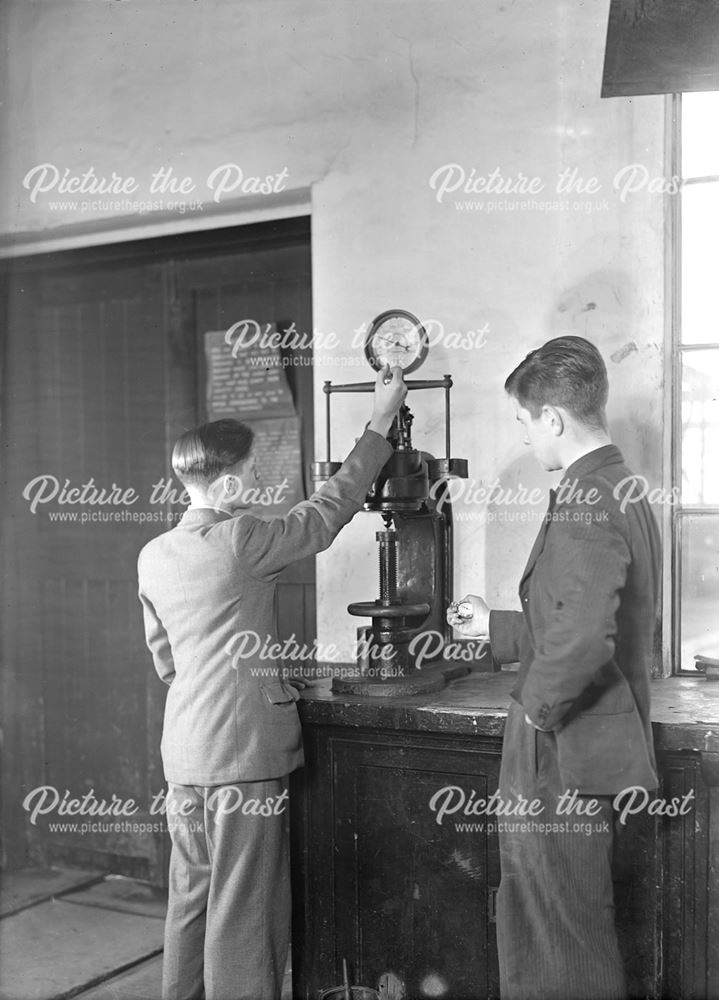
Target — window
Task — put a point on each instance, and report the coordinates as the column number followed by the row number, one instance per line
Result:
column 695, row 361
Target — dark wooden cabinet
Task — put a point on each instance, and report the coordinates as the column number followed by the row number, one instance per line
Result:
column 690, row 877
column 386, row 886
column 379, row 882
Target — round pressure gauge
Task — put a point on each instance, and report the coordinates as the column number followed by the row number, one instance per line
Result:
column 396, row 337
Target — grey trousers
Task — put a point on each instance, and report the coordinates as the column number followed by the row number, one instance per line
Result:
column 227, row 931
column 555, row 908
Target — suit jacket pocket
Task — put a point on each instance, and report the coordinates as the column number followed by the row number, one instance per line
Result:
column 278, row 693
column 601, row 754
column 610, row 695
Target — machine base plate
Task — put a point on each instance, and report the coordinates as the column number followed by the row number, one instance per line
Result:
column 422, row 682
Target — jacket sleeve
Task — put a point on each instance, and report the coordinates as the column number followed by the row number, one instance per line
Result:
column 507, row 630
column 589, row 565
column 266, row 547
column 157, row 641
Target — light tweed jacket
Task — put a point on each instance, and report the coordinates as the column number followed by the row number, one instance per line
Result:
column 211, row 578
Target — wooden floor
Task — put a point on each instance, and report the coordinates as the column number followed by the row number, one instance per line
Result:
column 66, row 933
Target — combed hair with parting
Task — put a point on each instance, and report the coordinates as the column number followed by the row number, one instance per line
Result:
column 567, row 372
column 204, row 453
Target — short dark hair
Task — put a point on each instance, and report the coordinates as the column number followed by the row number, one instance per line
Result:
column 567, row 372
column 202, row 454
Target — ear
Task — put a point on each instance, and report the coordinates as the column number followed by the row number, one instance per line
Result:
column 232, row 485
column 554, row 419
column 225, row 489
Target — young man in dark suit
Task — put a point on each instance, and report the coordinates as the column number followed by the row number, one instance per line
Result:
column 579, row 721
column 231, row 733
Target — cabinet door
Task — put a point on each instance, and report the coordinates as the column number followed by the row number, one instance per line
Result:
column 392, row 888
column 690, row 883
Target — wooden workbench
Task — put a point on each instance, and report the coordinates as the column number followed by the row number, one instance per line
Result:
column 379, row 881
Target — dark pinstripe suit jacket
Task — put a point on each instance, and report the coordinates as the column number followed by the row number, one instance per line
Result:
column 585, row 637
column 206, row 582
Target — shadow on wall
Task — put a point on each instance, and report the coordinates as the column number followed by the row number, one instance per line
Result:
column 639, row 440
column 606, row 308
column 599, row 307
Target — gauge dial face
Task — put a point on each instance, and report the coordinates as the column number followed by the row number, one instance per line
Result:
column 396, row 338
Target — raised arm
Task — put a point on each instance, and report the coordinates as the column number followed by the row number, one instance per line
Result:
column 266, row 547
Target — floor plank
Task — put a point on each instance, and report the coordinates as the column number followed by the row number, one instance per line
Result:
column 54, row 949
column 125, row 895
column 81, row 945
column 33, row 885
column 143, row 982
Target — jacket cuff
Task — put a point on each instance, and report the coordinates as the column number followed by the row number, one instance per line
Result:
column 365, row 461
column 504, row 633
column 375, row 434
column 541, row 715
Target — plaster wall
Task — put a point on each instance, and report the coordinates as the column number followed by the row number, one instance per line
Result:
column 363, row 105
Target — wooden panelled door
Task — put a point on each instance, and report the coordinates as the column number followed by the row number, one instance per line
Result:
column 101, row 372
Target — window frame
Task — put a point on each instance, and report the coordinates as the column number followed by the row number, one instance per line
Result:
column 674, row 515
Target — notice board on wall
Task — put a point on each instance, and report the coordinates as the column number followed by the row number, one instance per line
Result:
column 249, row 383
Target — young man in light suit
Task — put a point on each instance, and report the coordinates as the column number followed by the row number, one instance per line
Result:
column 580, row 717
column 231, row 733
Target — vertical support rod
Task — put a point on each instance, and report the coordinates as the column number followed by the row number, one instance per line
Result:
column 327, row 418
column 448, row 450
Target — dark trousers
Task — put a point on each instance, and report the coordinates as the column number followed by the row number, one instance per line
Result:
column 228, row 918
column 555, row 910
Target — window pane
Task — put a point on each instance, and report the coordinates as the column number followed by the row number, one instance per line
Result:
column 699, row 545
column 700, row 134
column 700, row 253
column 700, row 428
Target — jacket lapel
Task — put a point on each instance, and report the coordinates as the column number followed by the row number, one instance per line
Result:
column 538, row 543
column 607, row 454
